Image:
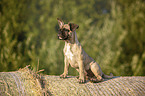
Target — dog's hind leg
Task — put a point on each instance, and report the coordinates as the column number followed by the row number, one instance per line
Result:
column 95, row 68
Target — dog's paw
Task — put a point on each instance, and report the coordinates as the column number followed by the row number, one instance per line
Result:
column 95, row 80
column 63, row 76
column 82, row 81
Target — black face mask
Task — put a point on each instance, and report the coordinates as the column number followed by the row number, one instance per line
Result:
column 63, row 34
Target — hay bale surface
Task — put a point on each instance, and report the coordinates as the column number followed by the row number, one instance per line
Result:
column 19, row 83
column 118, row 86
column 27, row 83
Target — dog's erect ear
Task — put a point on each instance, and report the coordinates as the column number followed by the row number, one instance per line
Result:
column 60, row 22
column 73, row 27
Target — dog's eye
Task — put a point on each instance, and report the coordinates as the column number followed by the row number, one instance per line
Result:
column 67, row 30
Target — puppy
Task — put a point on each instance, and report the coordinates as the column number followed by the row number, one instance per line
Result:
column 77, row 57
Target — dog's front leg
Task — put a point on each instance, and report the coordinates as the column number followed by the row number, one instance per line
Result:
column 81, row 72
column 65, row 73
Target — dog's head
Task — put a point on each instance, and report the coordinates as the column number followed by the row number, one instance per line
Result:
column 66, row 30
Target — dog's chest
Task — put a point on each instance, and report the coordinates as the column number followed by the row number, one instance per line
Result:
column 68, row 53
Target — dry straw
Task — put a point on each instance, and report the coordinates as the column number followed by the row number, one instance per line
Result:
column 25, row 82
column 118, row 86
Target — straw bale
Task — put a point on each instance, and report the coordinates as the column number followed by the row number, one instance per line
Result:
column 20, row 83
column 118, row 86
column 25, row 82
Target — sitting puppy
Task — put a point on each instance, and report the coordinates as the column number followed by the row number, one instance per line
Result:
column 77, row 57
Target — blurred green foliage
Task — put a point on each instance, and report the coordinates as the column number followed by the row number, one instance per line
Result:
column 112, row 32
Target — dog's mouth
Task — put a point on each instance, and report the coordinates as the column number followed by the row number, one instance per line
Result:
column 61, row 38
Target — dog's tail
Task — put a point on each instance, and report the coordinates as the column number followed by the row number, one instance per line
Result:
column 107, row 77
